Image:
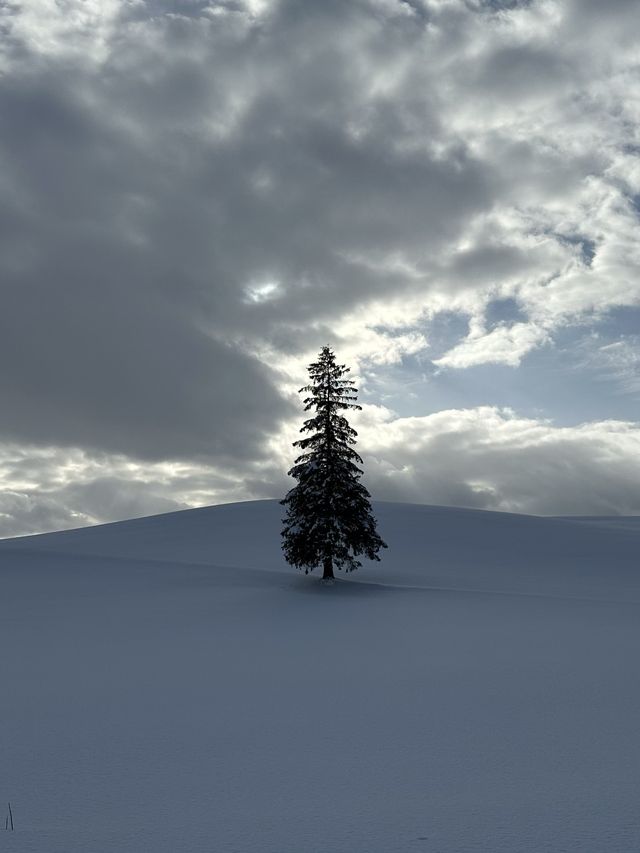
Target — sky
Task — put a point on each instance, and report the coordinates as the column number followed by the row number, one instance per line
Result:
column 196, row 196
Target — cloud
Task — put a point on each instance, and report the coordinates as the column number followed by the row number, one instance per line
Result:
column 615, row 362
column 485, row 457
column 502, row 345
column 493, row 459
column 197, row 196
column 53, row 488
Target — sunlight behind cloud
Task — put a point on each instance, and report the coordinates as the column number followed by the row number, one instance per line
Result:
column 262, row 292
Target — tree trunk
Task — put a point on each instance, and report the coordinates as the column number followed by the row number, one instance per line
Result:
column 328, row 568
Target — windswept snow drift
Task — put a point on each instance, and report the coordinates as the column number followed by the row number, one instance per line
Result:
column 168, row 684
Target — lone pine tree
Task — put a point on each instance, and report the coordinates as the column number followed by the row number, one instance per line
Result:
column 328, row 520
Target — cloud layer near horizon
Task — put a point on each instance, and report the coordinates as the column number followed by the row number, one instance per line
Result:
column 196, row 196
column 485, row 458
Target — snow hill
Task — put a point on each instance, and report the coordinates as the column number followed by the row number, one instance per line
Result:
column 168, row 684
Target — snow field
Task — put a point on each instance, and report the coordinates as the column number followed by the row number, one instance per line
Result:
column 169, row 685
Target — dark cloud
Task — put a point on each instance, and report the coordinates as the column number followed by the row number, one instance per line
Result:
column 107, row 337
column 147, row 193
column 517, row 70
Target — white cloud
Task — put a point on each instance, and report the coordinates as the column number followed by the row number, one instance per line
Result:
column 49, row 488
column 491, row 458
column 502, row 345
column 64, row 28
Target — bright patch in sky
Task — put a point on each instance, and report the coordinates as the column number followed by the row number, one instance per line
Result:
column 262, row 292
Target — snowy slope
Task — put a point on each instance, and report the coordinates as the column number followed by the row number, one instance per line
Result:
column 169, row 684
column 429, row 546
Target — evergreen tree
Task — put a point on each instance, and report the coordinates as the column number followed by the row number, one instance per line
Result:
column 328, row 520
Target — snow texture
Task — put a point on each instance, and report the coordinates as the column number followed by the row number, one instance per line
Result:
column 168, row 685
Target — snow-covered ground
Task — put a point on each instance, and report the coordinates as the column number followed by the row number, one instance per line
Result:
column 167, row 684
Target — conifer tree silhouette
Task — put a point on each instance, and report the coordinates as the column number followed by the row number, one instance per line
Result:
column 329, row 520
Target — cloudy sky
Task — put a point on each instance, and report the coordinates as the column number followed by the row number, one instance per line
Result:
column 196, row 195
